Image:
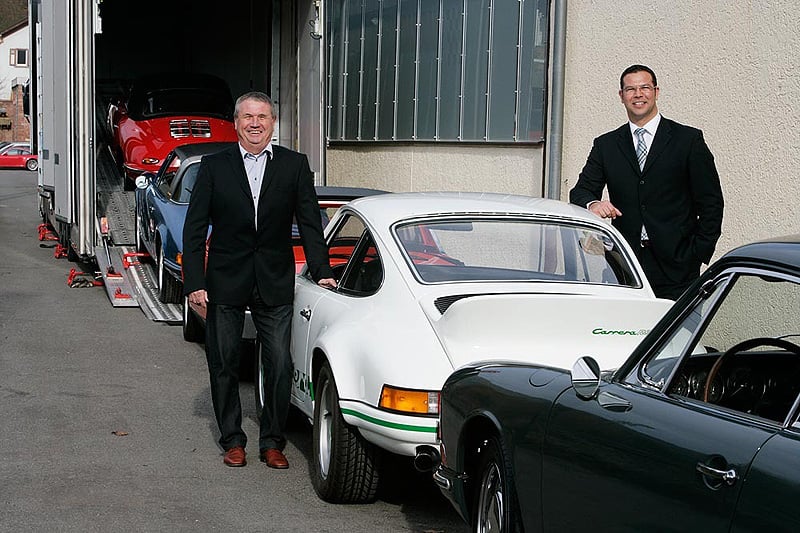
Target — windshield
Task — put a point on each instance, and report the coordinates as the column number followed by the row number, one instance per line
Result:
column 499, row 249
column 192, row 101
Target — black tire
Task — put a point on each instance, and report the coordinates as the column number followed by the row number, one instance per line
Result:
column 344, row 466
column 169, row 290
column 138, row 230
column 32, row 164
column 193, row 329
column 494, row 508
column 128, row 184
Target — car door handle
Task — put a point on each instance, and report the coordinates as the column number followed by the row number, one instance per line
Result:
column 728, row 477
column 612, row 402
column 306, row 313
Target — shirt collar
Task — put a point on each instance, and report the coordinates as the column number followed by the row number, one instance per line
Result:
column 268, row 148
column 651, row 126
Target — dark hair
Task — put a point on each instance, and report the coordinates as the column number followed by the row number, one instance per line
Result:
column 259, row 97
column 637, row 68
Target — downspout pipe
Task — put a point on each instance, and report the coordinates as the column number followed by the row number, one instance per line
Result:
column 555, row 130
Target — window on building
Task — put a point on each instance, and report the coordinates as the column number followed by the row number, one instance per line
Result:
column 437, row 70
column 19, row 57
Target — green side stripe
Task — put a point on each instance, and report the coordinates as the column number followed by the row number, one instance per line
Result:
column 393, row 425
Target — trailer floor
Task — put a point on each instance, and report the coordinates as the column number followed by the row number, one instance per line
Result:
column 134, row 286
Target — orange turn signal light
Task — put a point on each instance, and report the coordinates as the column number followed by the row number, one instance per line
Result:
column 410, row 401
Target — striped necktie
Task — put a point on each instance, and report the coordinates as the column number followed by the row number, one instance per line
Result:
column 641, row 147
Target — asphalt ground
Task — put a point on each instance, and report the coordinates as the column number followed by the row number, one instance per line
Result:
column 106, row 421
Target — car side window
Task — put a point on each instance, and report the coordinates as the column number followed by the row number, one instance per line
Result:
column 165, row 183
column 182, row 190
column 681, row 341
column 365, row 270
column 342, row 243
column 738, row 349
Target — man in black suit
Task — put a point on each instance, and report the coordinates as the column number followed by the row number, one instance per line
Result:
column 664, row 193
column 250, row 193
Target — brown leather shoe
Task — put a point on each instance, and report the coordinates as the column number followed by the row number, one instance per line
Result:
column 235, row 456
column 274, row 458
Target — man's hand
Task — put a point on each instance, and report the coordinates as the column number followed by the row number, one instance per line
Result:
column 328, row 283
column 199, row 297
column 605, row 209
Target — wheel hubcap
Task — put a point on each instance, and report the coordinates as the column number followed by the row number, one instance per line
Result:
column 324, row 432
column 490, row 518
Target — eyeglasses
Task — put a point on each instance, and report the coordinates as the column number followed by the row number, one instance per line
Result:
column 646, row 89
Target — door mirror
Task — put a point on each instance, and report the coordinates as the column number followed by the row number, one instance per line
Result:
column 586, row 377
column 143, row 180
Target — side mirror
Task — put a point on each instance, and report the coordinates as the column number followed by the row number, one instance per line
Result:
column 586, row 377
column 143, row 180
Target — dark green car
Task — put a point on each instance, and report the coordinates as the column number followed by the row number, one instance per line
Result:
column 698, row 431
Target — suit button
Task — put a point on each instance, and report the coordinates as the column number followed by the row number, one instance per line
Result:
column 641, row 182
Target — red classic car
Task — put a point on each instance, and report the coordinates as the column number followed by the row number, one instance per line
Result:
column 164, row 111
column 18, row 155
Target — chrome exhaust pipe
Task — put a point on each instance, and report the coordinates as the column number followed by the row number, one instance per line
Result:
column 427, row 459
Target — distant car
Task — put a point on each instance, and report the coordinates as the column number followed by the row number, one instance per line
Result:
column 162, row 200
column 330, row 200
column 429, row 282
column 164, row 111
column 699, row 430
column 18, row 155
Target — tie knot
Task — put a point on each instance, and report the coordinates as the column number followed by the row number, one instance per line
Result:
column 639, row 132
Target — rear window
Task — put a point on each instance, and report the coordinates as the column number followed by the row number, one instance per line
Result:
column 482, row 249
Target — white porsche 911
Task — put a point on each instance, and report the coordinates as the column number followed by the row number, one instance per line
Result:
column 431, row 281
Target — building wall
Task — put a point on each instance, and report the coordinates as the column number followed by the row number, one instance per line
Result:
column 434, row 167
column 728, row 68
column 17, row 39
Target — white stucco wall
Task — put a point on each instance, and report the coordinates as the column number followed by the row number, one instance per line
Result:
column 728, row 68
column 429, row 167
column 18, row 39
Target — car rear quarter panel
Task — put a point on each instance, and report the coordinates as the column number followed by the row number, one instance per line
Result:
column 771, row 490
column 381, row 339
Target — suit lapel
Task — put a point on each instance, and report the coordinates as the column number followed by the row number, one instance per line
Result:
column 270, row 172
column 660, row 141
column 270, row 169
column 239, row 175
column 625, row 142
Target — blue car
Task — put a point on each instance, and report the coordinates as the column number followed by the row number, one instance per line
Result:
column 162, row 200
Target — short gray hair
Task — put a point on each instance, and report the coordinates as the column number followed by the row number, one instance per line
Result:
column 257, row 96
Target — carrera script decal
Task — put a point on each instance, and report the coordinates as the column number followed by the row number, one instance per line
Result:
column 623, row 332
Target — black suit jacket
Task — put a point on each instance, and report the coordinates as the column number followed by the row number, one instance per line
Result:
column 677, row 195
column 239, row 256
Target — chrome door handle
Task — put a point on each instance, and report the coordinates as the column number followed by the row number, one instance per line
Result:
column 729, row 477
column 306, row 313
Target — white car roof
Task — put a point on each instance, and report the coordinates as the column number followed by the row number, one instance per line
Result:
column 385, row 209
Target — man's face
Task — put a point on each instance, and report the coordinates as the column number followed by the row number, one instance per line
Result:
column 639, row 97
column 254, row 125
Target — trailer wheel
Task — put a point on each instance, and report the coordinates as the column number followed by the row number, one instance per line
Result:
column 193, row 330
column 168, row 290
column 32, row 164
column 345, row 466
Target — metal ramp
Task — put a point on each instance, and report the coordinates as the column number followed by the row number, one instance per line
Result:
column 135, row 286
column 129, row 283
